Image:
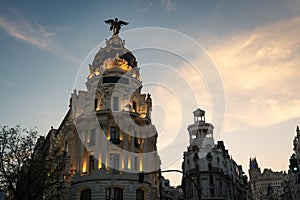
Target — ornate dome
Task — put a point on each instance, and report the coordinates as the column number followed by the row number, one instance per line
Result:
column 114, row 48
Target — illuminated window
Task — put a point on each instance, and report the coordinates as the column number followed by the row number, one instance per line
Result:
column 66, row 147
column 95, row 104
column 140, row 194
column 86, row 194
column 134, row 106
column 136, row 142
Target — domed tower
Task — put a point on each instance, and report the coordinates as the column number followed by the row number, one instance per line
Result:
column 201, row 134
column 113, row 121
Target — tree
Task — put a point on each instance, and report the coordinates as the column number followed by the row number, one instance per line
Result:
column 16, row 150
column 32, row 167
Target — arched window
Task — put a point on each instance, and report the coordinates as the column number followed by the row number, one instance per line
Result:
column 140, row 194
column 114, row 193
column 86, row 194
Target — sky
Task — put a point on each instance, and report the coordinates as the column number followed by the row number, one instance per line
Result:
column 235, row 59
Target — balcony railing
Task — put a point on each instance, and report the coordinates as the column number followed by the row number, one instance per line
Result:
column 115, row 141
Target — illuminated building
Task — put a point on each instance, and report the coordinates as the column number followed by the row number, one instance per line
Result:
column 113, row 121
column 107, row 136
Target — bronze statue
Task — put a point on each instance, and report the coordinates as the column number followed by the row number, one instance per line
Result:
column 115, row 25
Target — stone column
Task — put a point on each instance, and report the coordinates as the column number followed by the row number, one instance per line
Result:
column 98, row 142
column 125, row 137
column 132, row 149
column 145, row 155
column 104, row 149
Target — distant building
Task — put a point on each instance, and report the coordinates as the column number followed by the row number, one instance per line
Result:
column 169, row 192
column 265, row 185
column 211, row 173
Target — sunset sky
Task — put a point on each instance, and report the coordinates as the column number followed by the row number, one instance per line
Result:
column 250, row 49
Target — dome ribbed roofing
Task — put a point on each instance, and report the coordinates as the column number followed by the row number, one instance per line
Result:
column 115, row 47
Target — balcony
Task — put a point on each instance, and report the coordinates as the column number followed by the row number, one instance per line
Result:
column 116, row 141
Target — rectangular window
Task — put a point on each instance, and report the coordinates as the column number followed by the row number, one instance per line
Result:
column 92, row 137
column 209, row 166
column 212, row 191
column 140, row 194
column 136, row 142
column 86, row 194
column 113, row 79
column 114, row 135
column 211, row 179
column 96, row 104
column 114, row 194
column 134, row 106
column 115, row 103
column 91, row 163
column 114, row 161
column 108, row 193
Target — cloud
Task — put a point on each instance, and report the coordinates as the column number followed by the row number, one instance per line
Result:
column 260, row 69
column 5, row 82
column 33, row 34
column 168, row 5
column 143, row 6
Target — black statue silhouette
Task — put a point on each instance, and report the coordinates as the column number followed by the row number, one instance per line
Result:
column 115, row 25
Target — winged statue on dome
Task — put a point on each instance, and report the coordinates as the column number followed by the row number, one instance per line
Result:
column 115, row 25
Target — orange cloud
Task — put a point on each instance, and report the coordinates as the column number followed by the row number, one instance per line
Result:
column 260, row 72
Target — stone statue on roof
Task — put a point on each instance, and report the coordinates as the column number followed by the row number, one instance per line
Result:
column 115, row 25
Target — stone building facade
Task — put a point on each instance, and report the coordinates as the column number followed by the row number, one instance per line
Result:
column 113, row 121
column 169, row 192
column 210, row 172
column 106, row 138
column 265, row 185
